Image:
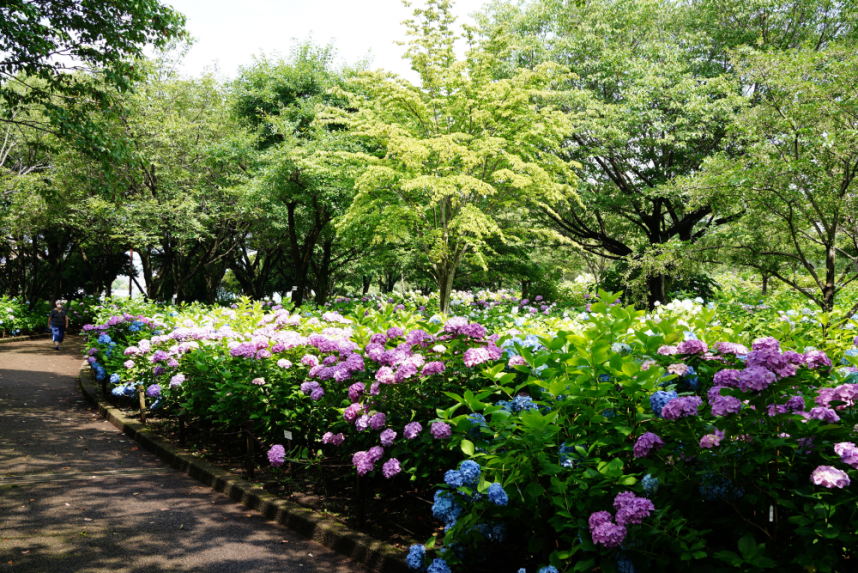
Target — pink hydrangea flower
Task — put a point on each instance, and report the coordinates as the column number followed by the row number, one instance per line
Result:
column 848, row 453
column 709, row 441
column 667, row 350
column 258, row 381
column 829, row 477
column 517, row 361
column 283, row 363
column 385, row 375
column 678, row 369
column 476, row 356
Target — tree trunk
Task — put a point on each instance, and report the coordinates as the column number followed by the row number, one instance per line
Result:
column 525, row 285
column 367, row 280
column 765, row 284
column 656, row 288
column 323, row 273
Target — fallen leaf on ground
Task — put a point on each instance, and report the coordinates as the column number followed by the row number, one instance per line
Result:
column 25, row 552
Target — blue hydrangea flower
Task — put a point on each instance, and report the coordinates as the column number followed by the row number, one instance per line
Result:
column 660, row 399
column 445, row 508
column 850, row 352
column 570, row 457
column 438, row 566
column 470, row 471
column 716, row 488
column 624, row 564
column 650, row 485
column 104, row 339
column 478, row 421
column 604, row 377
column 518, row 404
column 621, row 348
column 497, row 495
column 115, row 378
column 454, row 478
column 416, row 553
column 549, row 569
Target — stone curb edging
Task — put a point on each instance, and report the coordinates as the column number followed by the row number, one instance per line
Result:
column 22, row 338
column 358, row 546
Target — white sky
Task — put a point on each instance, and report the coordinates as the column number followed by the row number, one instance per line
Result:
column 230, row 32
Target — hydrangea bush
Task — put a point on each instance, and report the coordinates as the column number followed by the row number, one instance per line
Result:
column 608, row 437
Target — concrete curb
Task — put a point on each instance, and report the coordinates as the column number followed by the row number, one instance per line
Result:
column 23, row 338
column 358, row 546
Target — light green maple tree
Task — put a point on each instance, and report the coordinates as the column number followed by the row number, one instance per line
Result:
column 455, row 154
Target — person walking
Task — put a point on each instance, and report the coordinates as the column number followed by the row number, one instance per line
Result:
column 58, row 323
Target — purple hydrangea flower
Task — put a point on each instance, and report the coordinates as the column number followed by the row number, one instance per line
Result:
column 632, row 510
column 377, row 421
column 439, row 430
column 387, row 437
column 816, row 358
column 608, row 534
column 177, row 380
column 390, row 468
column 723, row 405
column 412, row 430
column 331, row 438
column 728, row 377
column 825, row 414
column 276, row 455
column 362, row 422
column 362, row 463
column 375, row 453
column 153, row 391
column 646, row 443
column 431, row 368
column 355, row 391
column 692, row 346
column 681, row 407
column 755, row 378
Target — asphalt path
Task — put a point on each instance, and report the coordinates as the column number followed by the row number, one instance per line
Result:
column 76, row 495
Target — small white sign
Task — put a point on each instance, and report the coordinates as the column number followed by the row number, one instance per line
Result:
column 287, row 434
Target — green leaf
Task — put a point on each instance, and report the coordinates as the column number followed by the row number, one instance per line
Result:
column 747, row 546
column 467, row 447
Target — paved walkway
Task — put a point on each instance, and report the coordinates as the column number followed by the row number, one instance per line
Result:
column 60, row 513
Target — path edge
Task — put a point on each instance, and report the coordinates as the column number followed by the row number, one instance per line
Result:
column 355, row 545
column 23, row 338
